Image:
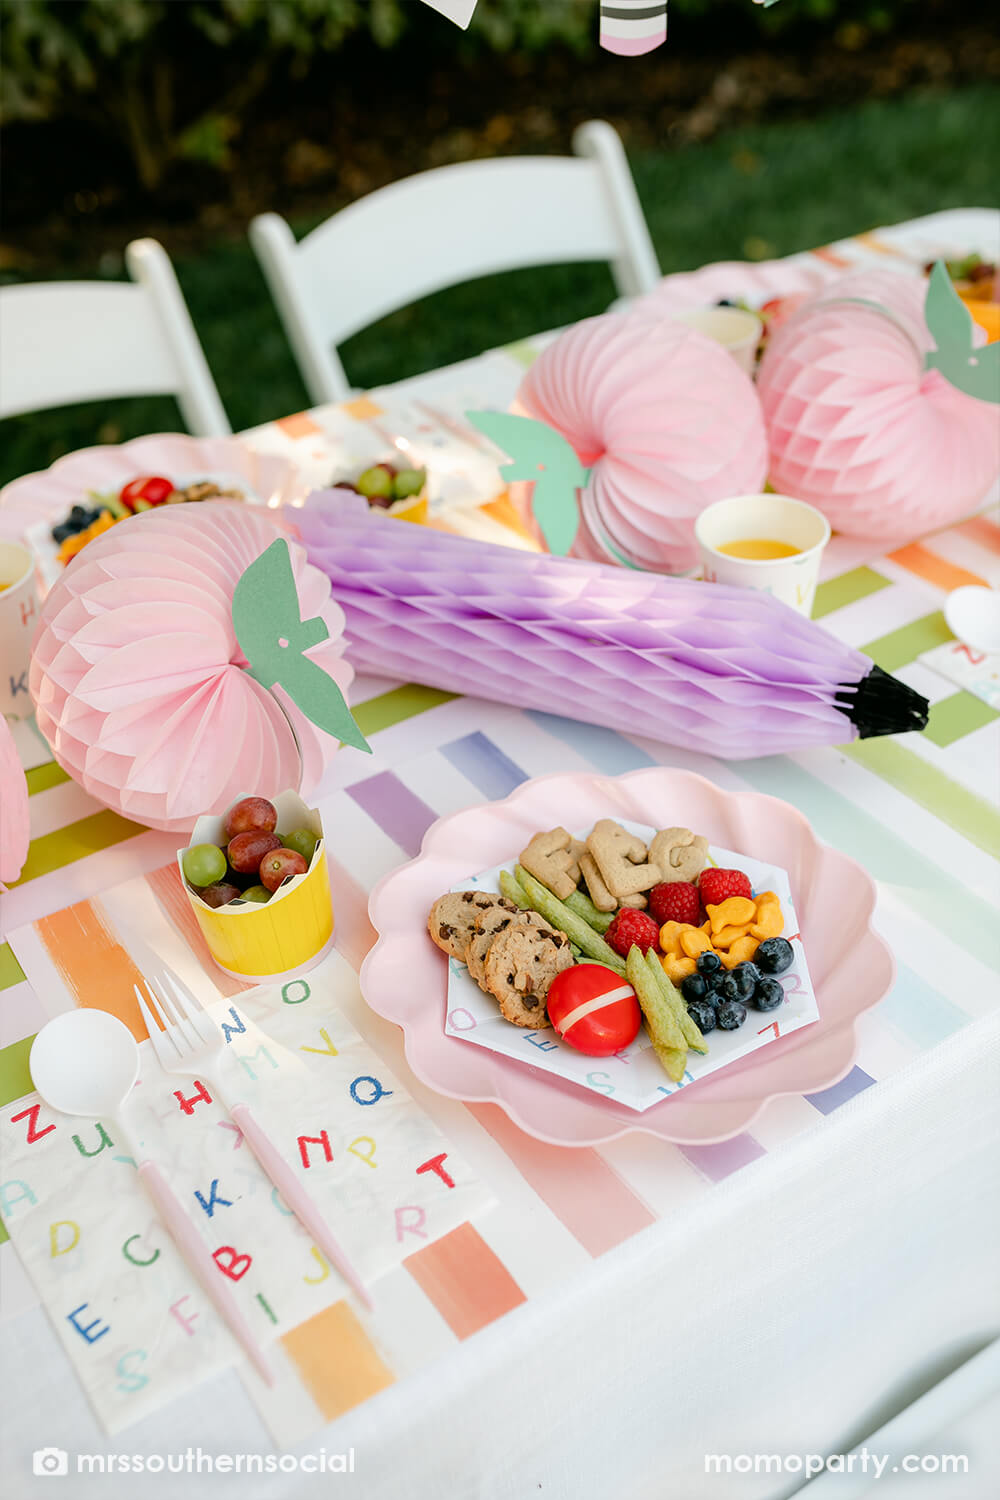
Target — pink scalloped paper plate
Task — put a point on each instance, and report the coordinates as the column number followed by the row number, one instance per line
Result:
column 405, row 978
column 47, row 494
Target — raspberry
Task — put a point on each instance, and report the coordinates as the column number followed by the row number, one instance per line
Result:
column 718, row 885
column 631, row 928
column 677, row 901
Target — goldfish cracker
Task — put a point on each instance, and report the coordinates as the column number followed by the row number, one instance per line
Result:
column 743, row 949
column 738, row 911
column 670, row 936
column 694, row 942
column 729, row 935
column 677, row 967
column 766, row 898
column 770, row 923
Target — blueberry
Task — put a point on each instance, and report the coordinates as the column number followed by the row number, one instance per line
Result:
column 709, row 963
column 703, row 1015
column 768, row 995
column 746, row 976
column 730, row 1015
column 728, row 988
column 694, row 987
column 79, row 513
column 60, row 533
column 774, row 956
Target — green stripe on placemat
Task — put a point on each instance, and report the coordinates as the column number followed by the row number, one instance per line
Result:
column 395, row 706
column 847, row 589
column 40, row 778
column 15, row 1077
column 10, row 970
column 953, row 718
column 53, row 850
column 523, row 350
column 924, row 784
column 900, row 647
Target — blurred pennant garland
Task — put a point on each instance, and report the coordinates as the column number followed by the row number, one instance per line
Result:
column 628, row 27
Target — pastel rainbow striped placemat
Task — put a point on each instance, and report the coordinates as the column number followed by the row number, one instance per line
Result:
column 918, row 811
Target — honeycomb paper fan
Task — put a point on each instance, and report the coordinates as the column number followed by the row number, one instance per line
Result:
column 858, row 426
column 141, row 685
column 664, row 418
column 724, row 671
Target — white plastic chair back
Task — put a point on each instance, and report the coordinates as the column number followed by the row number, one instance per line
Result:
column 449, row 225
column 68, row 341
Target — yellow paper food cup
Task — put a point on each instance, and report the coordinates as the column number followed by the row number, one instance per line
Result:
column 289, row 934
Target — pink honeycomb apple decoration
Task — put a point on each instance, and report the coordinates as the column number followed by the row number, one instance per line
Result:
column 140, row 685
column 857, row 425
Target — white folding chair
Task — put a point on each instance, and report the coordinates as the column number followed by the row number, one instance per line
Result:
column 449, row 225
column 67, row 341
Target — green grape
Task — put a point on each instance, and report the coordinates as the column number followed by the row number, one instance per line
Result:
column 408, row 482
column 376, row 482
column 302, row 840
column 258, row 893
column 203, row 864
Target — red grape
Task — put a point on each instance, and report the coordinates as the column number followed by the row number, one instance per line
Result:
column 247, row 850
column 220, row 894
column 251, row 813
column 278, row 864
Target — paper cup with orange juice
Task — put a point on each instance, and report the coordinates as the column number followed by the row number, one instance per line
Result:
column 259, row 887
column 767, row 542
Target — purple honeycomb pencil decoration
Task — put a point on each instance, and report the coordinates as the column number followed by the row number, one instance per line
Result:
column 726, row 672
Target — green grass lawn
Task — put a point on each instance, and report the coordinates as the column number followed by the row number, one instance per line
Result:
column 764, row 191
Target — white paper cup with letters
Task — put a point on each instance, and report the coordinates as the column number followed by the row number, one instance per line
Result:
column 758, row 520
column 18, row 619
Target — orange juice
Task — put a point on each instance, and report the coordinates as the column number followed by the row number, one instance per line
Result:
column 758, row 549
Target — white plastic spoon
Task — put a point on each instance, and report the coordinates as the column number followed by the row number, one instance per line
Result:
column 86, row 1062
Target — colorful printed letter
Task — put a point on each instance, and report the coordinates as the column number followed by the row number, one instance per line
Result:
column 214, row 1201
column 242, row 1262
column 436, row 1165
column 88, row 1331
column 200, row 1093
column 315, row 1140
column 31, row 1115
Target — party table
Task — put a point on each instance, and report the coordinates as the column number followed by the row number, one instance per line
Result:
column 622, row 1310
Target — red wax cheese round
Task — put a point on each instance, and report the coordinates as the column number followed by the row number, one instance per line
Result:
column 593, row 1009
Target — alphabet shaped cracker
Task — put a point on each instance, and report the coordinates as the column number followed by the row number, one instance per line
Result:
column 552, row 858
column 599, row 893
column 680, row 854
column 621, row 859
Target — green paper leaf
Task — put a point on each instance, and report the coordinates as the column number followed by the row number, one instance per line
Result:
column 542, row 455
column 273, row 637
column 976, row 371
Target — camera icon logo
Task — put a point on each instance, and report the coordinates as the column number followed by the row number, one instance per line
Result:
column 50, row 1461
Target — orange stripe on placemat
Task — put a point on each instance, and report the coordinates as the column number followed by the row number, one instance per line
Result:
column 92, row 963
column 503, row 510
column 937, row 570
column 872, row 242
column 353, row 933
column 166, row 886
column 339, row 1365
column 300, row 424
column 580, row 1188
column 979, row 529
column 830, row 256
column 467, row 1282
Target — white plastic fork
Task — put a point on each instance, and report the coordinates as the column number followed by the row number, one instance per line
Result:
column 190, row 1043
